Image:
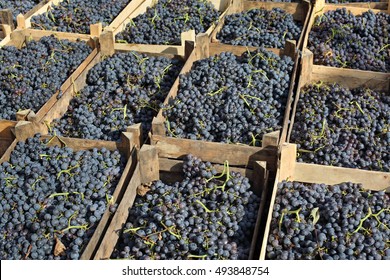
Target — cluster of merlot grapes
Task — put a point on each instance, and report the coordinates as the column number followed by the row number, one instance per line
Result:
column 31, row 75
column 345, row 127
column 204, row 216
column 51, row 195
column 260, row 27
column 340, row 39
column 18, row 6
column 339, row 222
column 164, row 23
column 77, row 15
column 122, row 90
column 231, row 99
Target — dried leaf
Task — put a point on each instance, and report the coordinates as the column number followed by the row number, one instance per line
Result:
column 315, row 214
column 143, row 190
column 59, row 248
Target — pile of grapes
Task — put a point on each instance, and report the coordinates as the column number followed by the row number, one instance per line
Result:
column 31, row 75
column 204, row 216
column 77, row 15
column 164, row 23
column 52, row 199
column 122, row 90
column 339, row 222
column 340, row 39
column 18, row 6
column 341, row 127
column 231, row 99
column 260, row 27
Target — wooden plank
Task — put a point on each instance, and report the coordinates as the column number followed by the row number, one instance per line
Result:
column 330, row 175
column 36, row 8
column 269, row 219
column 132, row 10
column 4, row 144
column 37, row 34
column 115, row 228
column 162, row 49
column 7, row 154
column 270, row 139
column 176, row 166
column 237, row 155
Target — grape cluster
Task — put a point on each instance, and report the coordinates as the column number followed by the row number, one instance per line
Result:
column 260, row 27
column 77, row 15
column 52, row 197
column 124, row 89
column 339, row 222
column 226, row 98
column 31, row 75
column 340, row 39
column 204, row 216
column 164, row 23
column 345, row 127
column 18, row 6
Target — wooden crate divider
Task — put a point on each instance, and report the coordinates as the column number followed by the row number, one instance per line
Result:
column 291, row 170
column 126, row 147
column 205, row 49
column 300, row 12
column 18, row 38
column 153, row 165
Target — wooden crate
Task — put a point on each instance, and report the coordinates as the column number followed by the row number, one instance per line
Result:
column 203, row 50
column 126, row 147
column 300, row 11
column 7, row 135
column 24, row 21
column 18, row 38
column 126, row 17
column 291, row 170
column 154, row 165
column 321, row 7
column 107, row 47
column 380, row 5
column 350, row 78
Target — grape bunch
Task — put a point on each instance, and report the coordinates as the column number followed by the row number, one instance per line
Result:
column 124, row 89
column 52, row 199
column 260, row 27
column 231, row 99
column 340, row 39
column 164, row 23
column 31, row 75
column 204, row 216
column 77, row 15
column 345, row 127
column 18, row 6
column 339, row 222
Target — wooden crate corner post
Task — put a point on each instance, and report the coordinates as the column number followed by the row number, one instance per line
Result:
column 107, row 42
column 24, row 130
column 202, row 46
column 149, row 164
column 137, row 134
column 96, row 29
column 287, row 161
column 21, row 21
column 6, row 18
column 237, row 6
